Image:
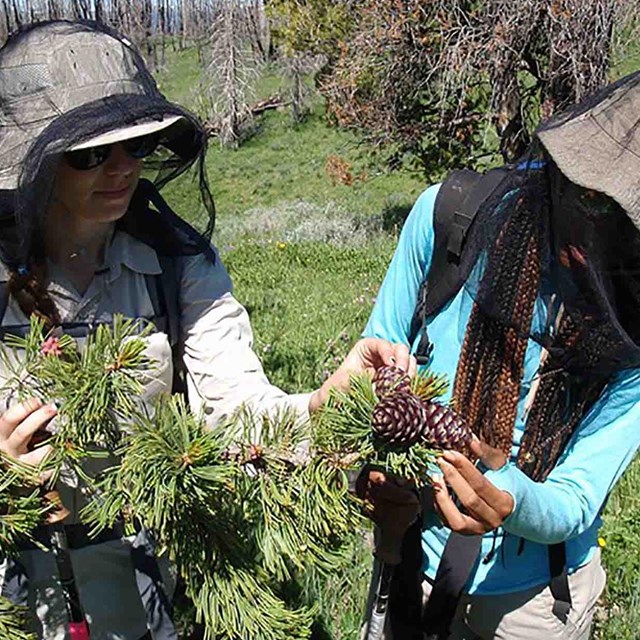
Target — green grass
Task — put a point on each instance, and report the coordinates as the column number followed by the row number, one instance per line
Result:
column 307, row 255
column 282, row 162
column 308, row 302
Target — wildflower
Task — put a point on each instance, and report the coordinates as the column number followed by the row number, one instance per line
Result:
column 51, row 347
column 281, row 245
column 602, row 543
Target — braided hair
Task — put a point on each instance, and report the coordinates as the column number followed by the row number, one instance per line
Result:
column 536, row 231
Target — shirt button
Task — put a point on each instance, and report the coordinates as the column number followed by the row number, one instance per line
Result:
column 208, row 410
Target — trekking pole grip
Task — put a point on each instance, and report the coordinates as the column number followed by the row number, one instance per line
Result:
column 389, row 545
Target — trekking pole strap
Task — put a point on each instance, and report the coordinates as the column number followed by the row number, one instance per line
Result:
column 559, row 584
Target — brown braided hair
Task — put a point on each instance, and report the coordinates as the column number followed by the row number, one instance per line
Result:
column 28, row 288
column 488, row 378
column 487, row 383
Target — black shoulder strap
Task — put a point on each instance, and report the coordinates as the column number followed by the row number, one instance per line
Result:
column 4, row 298
column 455, row 209
column 559, row 584
column 164, row 291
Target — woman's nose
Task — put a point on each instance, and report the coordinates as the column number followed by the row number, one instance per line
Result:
column 119, row 161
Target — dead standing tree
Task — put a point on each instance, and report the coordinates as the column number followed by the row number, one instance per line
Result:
column 229, row 73
column 430, row 77
column 564, row 46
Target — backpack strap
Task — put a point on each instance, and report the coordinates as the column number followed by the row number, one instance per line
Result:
column 456, row 206
column 559, row 584
column 164, row 291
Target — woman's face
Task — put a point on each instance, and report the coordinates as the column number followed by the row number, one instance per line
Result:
column 101, row 194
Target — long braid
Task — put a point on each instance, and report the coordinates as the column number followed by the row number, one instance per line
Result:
column 28, row 288
column 486, row 388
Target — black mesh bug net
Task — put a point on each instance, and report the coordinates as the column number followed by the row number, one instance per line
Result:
column 64, row 83
column 581, row 254
column 548, row 260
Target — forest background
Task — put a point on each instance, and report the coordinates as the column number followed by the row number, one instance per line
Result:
column 327, row 119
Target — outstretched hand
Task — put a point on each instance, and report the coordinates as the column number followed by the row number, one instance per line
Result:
column 484, row 506
column 368, row 354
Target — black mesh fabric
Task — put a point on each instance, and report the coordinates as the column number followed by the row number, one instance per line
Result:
column 560, row 264
column 177, row 167
column 589, row 267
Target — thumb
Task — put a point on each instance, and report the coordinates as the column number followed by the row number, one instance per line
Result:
column 490, row 457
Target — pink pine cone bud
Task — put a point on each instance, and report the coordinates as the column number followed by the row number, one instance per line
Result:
column 51, row 347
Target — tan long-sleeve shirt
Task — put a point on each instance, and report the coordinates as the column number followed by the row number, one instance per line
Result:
column 223, row 373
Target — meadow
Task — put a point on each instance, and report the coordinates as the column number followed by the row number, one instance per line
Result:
column 307, row 220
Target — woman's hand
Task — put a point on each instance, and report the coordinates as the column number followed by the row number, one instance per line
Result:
column 367, row 354
column 485, row 506
column 19, row 424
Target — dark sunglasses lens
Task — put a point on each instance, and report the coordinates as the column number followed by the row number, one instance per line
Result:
column 84, row 159
column 142, row 146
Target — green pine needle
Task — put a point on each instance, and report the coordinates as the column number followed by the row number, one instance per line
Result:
column 13, row 622
column 237, row 605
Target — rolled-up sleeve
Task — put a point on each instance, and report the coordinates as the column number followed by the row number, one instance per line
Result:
column 223, row 372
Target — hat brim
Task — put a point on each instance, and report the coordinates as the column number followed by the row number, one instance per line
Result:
column 130, row 131
column 596, row 144
column 591, row 158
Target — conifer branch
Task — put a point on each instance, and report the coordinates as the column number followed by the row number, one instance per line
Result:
column 237, row 513
column 13, row 622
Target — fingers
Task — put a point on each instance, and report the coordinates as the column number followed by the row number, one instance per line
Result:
column 491, row 457
column 400, row 356
column 13, row 416
column 18, row 441
column 473, row 503
column 458, row 469
column 452, row 517
column 413, row 366
column 37, row 456
column 373, row 353
column 376, row 352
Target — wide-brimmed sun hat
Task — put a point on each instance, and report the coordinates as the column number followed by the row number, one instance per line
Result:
column 596, row 144
column 57, row 69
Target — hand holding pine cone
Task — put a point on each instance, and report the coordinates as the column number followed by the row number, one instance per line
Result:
column 402, row 418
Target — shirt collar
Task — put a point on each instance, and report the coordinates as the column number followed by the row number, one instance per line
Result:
column 132, row 253
column 123, row 250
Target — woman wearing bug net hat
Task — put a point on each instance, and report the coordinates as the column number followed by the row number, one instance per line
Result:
column 85, row 236
column 539, row 331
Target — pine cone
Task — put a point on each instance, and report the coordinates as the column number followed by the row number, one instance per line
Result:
column 388, row 380
column 399, row 419
column 444, row 428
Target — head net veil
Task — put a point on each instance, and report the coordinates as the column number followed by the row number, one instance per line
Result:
column 557, row 263
column 177, row 167
column 543, row 242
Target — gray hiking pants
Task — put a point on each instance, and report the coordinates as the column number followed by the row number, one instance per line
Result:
column 527, row 615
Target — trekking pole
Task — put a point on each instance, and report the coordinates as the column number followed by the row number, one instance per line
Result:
column 387, row 557
column 380, row 587
column 78, row 627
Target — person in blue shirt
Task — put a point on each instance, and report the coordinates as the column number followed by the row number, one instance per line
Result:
column 541, row 346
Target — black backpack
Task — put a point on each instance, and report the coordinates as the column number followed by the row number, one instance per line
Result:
column 457, row 204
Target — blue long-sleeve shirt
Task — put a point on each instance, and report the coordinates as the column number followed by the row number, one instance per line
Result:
column 567, row 505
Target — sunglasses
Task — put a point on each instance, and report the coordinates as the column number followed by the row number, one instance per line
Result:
column 138, row 148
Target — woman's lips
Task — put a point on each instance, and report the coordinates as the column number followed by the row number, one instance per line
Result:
column 114, row 194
